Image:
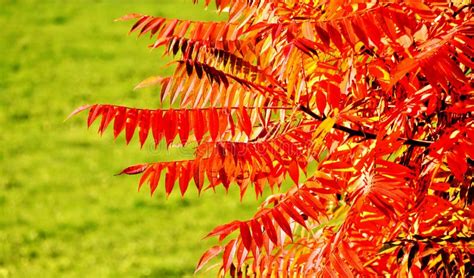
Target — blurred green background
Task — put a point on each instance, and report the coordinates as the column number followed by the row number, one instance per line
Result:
column 62, row 211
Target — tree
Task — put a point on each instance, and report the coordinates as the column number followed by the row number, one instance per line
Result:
column 365, row 106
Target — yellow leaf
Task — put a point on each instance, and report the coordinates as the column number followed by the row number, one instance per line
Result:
column 321, row 131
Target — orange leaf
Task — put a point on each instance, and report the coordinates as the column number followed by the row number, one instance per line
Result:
column 128, row 17
column 78, row 110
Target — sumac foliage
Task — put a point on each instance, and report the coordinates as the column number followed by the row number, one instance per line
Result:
column 364, row 106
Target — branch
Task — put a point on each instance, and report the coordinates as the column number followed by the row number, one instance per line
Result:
column 360, row 133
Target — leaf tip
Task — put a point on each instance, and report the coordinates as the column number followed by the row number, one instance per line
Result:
column 78, row 110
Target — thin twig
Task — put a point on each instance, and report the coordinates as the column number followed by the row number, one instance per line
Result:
column 366, row 135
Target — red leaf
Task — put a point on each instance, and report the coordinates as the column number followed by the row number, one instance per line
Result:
column 108, row 114
column 169, row 29
column 440, row 186
column 170, row 126
column 321, row 101
column 152, row 24
column 269, row 228
column 135, row 169
column 256, row 232
column 145, row 176
column 310, row 199
column 245, row 234
column 241, row 255
column 373, row 31
column 155, row 178
column 340, row 266
column 385, row 208
column 282, row 222
column 347, row 32
column 351, row 256
column 323, row 35
column 183, row 126
column 156, row 26
column 335, row 37
column 229, row 253
column 213, row 123
column 457, row 163
column 246, row 122
column 224, row 230
column 198, row 176
column 131, row 124
column 120, row 120
column 305, row 208
column 156, row 126
column 144, row 125
column 306, row 46
column 293, row 214
column 94, row 112
column 170, row 177
column 199, row 125
column 356, row 25
column 294, row 171
column 206, row 257
column 184, row 176
column 334, row 94
column 139, row 23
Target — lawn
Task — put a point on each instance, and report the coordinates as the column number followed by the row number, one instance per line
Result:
column 63, row 213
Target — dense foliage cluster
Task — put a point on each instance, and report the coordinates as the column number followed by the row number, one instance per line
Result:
column 366, row 107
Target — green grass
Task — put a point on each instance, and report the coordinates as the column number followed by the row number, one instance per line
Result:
column 62, row 211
